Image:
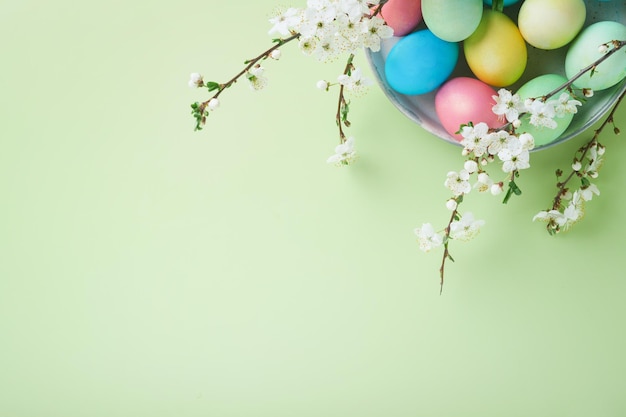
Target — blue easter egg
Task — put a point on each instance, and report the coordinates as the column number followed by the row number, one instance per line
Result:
column 420, row 62
column 506, row 2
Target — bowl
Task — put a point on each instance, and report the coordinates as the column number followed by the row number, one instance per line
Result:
column 421, row 108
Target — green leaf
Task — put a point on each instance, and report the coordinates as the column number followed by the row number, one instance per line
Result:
column 508, row 195
column 212, row 85
column 585, row 182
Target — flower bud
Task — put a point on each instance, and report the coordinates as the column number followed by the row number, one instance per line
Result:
column 496, row 188
column 213, row 104
column 322, row 85
column 470, row 166
column 275, row 54
column 451, row 204
column 195, row 80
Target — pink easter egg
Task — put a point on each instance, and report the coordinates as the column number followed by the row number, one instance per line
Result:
column 402, row 16
column 461, row 100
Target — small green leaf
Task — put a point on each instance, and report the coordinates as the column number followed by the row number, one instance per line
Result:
column 507, row 196
column 212, row 85
column 585, row 182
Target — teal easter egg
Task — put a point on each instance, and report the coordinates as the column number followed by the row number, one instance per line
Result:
column 584, row 51
column 420, row 62
column 452, row 20
column 506, row 2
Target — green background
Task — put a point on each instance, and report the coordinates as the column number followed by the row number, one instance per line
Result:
column 149, row 270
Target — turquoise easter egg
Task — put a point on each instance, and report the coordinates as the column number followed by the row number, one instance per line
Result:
column 584, row 51
column 420, row 62
column 452, row 20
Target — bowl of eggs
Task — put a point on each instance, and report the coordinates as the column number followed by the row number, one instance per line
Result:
column 448, row 59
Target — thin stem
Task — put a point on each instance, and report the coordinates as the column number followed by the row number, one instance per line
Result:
column 617, row 45
column 562, row 184
column 446, row 239
column 342, row 102
column 250, row 63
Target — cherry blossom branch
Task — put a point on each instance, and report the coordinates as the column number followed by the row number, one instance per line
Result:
column 343, row 105
column 478, row 141
column 199, row 110
column 562, row 216
column 251, row 62
column 583, row 152
column 446, row 239
column 616, row 46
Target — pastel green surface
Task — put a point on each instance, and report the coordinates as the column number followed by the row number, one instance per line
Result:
column 149, row 270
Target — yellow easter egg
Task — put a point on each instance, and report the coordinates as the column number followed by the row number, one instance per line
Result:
column 550, row 24
column 496, row 52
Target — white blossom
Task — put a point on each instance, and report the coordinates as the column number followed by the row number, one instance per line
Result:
column 542, row 113
column 355, row 82
column 483, row 183
column 562, row 219
column 458, row 182
column 514, row 160
column 451, row 204
column 586, row 193
column 374, row 30
column 475, row 139
column 344, row 153
column 285, row 22
column 307, row 45
column 275, row 54
column 256, row 78
column 195, row 80
column 427, row 237
column 508, row 105
column 498, row 141
column 318, row 22
column 466, row 227
column 595, row 159
column 565, row 105
column 527, row 141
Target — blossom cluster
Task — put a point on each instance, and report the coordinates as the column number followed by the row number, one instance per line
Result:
column 324, row 29
column 330, row 28
column 483, row 145
column 568, row 206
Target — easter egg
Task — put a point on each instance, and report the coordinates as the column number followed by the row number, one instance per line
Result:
column 550, row 24
column 584, row 51
column 535, row 88
column 420, row 62
column 496, row 52
column 506, row 2
column 402, row 15
column 452, row 20
column 463, row 99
